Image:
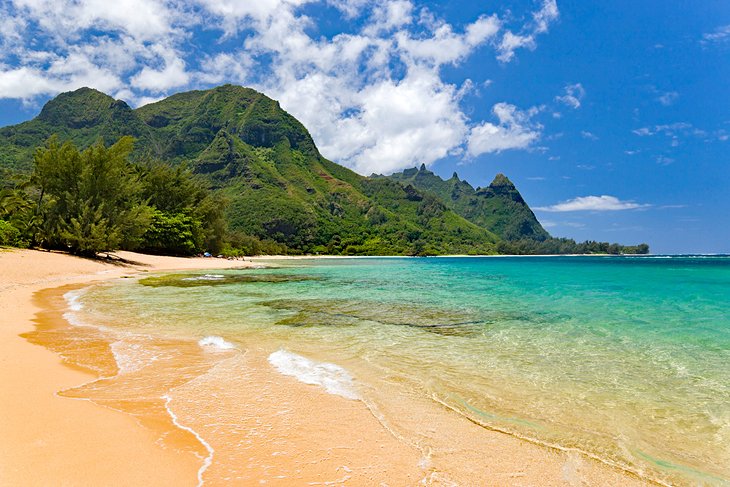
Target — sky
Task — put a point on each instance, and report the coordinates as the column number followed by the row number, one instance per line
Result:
column 612, row 118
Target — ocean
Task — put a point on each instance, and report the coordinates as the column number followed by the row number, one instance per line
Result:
column 622, row 359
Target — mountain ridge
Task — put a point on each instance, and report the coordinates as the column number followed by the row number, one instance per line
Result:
column 498, row 207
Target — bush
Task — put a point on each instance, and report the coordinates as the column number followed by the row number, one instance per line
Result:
column 177, row 233
column 9, row 235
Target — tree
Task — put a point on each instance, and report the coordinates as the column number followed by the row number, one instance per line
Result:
column 89, row 201
column 188, row 218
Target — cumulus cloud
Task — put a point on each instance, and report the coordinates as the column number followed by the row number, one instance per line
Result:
column 171, row 75
column 515, row 130
column 373, row 96
column 573, row 95
column 593, row 203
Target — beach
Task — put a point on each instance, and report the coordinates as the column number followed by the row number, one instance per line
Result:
column 292, row 433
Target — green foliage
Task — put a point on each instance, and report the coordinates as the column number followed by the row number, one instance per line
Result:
column 96, row 200
column 175, row 233
column 88, row 201
column 188, row 218
column 557, row 246
column 498, row 208
column 238, row 244
column 9, row 235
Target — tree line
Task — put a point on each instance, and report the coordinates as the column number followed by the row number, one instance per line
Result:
column 558, row 246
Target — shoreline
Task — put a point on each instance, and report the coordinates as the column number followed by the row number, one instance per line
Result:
column 86, row 436
column 48, row 439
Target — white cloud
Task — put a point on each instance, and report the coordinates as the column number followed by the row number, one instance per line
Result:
column 225, row 68
column 63, row 74
column 643, row 131
column 514, row 131
column 373, row 97
column 721, row 34
column 670, row 130
column 445, row 46
column 390, row 15
column 573, row 95
column 542, row 19
column 593, row 203
column 668, row 98
column 172, row 75
column 142, row 19
column 588, row 135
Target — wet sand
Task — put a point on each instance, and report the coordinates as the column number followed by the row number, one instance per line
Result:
column 263, row 427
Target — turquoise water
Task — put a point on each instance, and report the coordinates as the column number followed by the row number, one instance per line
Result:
column 626, row 359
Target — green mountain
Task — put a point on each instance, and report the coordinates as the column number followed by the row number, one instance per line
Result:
column 278, row 186
column 266, row 164
column 499, row 207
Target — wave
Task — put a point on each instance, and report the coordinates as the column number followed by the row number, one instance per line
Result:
column 74, row 305
column 216, row 342
column 208, row 460
column 333, row 378
column 206, row 277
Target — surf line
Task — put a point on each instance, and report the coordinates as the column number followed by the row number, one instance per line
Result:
column 208, row 461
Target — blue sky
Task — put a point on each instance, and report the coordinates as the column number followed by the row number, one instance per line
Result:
column 613, row 118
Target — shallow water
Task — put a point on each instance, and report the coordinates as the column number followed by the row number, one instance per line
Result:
column 626, row 359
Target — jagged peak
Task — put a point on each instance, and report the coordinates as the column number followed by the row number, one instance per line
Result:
column 502, row 180
column 423, row 167
column 455, row 176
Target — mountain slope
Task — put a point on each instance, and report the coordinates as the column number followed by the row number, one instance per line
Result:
column 499, row 207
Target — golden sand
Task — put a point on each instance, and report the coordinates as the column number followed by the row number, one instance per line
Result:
column 263, row 427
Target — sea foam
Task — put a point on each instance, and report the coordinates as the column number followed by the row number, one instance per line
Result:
column 208, row 460
column 333, row 378
column 131, row 357
column 74, row 306
column 206, row 277
column 216, row 342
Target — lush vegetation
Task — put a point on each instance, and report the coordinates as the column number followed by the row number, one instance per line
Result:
column 97, row 200
column 240, row 176
column 501, row 209
column 556, row 246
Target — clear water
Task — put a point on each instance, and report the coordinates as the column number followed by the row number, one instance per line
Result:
column 625, row 359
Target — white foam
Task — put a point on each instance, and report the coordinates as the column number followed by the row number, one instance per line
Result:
column 333, row 378
column 216, row 342
column 206, row 277
column 131, row 357
column 72, row 299
column 74, row 307
column 209, row 459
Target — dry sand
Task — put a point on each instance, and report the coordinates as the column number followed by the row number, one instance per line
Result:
column 46, row 439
